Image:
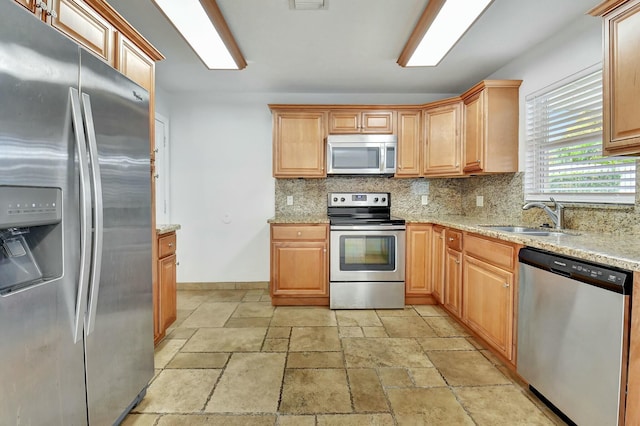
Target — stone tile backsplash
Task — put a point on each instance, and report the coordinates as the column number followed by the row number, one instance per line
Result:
column 503, row 197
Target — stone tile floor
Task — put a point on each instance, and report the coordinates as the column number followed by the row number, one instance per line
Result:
column 233, row 359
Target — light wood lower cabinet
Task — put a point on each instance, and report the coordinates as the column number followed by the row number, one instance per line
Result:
column 299, row 264
column 437, row 266
column 453, row 272
column 164, row 292
column 418, row 278
column 488, row 289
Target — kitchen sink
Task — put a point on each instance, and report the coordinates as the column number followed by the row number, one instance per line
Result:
column 526, row 230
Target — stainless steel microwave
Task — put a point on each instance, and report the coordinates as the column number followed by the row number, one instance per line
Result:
column 361, row 154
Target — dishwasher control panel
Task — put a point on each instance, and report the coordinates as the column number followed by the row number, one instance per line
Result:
column 604, row 276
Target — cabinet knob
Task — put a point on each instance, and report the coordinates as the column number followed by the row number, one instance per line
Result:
column 457, row 262
column 51, row 13
column 451, row 238
column 156, row 176
column 505, row 285
column 177, row 263
column 399, row 166
column 299, row 233
column 170, row 244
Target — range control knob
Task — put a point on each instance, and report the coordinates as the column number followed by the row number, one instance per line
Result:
column 342, row 199
column 375, row 200
column 335, row 199
column 384, row 199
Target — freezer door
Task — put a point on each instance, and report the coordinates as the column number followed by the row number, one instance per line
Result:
column 42, row 372
column 119, row 325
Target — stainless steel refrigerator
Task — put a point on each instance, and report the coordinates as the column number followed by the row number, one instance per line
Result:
column 76, row 326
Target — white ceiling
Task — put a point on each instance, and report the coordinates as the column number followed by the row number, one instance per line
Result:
column 350, row 48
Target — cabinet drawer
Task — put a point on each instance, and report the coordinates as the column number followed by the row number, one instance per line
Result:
column 299, row 232
column 453, row 239
column 496, row 253
column 166, row 245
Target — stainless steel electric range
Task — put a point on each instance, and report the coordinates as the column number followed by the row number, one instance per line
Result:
column 367, row 251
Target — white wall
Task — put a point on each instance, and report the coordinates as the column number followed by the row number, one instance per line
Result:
column 576, row 48
column 221, row 185
column 222, row 191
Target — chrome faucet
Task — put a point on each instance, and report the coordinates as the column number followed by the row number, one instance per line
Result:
column 556, row 215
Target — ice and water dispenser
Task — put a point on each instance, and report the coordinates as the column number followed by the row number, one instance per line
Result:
column 30, row 237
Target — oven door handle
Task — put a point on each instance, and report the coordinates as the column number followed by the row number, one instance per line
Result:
column 380, row 227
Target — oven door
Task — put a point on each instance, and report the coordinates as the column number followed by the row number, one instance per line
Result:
column 367, row 253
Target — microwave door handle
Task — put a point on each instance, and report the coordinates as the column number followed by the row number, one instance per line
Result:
column 383, row 158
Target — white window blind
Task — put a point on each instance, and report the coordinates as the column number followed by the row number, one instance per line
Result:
column 564, row 146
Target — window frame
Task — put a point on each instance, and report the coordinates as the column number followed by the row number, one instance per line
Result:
column 538, row 148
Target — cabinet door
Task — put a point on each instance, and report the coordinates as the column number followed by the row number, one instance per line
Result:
column 437, row 267
column 418, row 273
column 298, row 144
column 134, row 63
column 488, row 303
column 167, row 283
column 344, row 122
column 453, row 282
column 377, row 122
column 621, row 109
column 473, row 133
column 442, row 149
column 409, row 142
column 78, row 21
column 299, row 268
column 352, row 121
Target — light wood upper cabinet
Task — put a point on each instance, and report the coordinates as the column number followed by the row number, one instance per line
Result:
column 621, row 109
column 442, row 147
column 355, row 121
column 35, row 6
column 80, row 22
column 409, row 144
column 298, row 144
column 134, row 63
column 299, row 264
column 489, row 279
column 418, row 284
column 490, row 136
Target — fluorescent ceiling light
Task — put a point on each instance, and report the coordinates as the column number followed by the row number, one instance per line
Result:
column 203, row 27
column 440, row 27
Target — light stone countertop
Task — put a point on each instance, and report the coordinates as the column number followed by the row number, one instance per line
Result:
column 622, row 251
column 165, row 228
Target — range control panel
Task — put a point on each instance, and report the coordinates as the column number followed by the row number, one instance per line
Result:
column 29, row 206
column 359, row 199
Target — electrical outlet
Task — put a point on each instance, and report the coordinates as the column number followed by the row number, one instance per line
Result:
column 289, row 200
column 479, row 201
column 425, row 200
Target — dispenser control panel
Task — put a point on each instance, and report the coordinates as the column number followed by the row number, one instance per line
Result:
column 29, row 206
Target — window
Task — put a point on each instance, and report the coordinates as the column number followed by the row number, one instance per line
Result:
column 564, row 146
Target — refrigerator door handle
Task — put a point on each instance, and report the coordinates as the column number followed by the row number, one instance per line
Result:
column 98, row 223
column 85, row 215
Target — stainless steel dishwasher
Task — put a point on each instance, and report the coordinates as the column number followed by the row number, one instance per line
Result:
column 573, row 327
